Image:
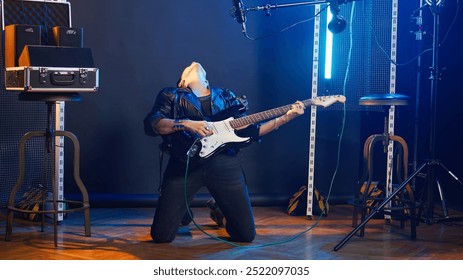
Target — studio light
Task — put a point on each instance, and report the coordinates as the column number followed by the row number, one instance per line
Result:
column 328, row 48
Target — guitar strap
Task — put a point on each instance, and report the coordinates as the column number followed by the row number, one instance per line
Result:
column 243, row 99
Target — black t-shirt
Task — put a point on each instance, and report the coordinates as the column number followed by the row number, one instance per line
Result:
column 206, row 105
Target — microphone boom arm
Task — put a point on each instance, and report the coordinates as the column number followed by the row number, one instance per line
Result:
column 336, row 25
column 269, row 7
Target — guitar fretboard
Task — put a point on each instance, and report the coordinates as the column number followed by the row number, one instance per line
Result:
column 265, row 115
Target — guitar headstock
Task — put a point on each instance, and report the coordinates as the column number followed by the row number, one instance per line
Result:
column 328, row 100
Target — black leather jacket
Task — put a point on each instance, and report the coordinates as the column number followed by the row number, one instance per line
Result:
column 181, row 103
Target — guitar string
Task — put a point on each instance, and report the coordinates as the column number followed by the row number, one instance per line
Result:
column 275, row 112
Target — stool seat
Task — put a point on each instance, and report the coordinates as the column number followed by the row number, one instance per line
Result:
column 388, row 99
column 49, row 96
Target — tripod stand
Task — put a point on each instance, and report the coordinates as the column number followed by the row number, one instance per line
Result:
column 429, row 165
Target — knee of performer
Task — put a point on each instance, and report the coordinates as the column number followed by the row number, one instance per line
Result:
column 161, row 238
column 244, row 236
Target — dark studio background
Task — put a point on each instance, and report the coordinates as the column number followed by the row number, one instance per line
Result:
column 142, row 46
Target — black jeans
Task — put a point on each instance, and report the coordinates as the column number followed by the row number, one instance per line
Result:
column 224, row 178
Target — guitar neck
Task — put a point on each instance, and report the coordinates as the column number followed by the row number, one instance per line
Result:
column 265, row 115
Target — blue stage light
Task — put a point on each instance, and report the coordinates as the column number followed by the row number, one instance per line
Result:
column 328, row 47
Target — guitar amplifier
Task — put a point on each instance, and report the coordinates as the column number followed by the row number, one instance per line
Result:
column 51, row 79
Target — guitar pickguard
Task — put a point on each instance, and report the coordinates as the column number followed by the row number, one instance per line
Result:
column 223, row 134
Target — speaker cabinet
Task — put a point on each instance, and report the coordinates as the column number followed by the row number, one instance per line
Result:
column 67, row 37
column 52, row 56
column 17, row 36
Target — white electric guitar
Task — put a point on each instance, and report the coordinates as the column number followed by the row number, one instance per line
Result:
column 184, row 144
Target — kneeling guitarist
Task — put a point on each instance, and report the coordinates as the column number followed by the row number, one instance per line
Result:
column 207, row 125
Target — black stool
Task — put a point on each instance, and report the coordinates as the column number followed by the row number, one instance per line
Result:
column 403, row 205
column 50, row 99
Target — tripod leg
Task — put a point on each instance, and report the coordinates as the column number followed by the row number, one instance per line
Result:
column 450, row 172
column 446, row 217
column 442, row 199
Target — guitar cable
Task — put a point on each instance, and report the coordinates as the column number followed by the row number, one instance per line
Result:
column 193, row 149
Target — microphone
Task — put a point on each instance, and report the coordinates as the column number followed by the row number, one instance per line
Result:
column 337, row 23
column 239, row 14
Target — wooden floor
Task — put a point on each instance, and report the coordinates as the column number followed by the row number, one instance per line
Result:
column 123, row 234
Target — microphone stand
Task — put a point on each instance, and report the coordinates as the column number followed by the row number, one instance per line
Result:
column 435, row 77
column 419, row 38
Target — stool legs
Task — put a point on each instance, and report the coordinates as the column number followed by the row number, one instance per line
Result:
column 77, row 179
column 84, row 204
column 19, row 181
column 365, row 184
